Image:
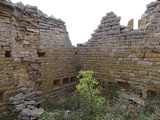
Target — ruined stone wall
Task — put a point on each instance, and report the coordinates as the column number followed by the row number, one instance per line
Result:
column 119, row 53
column 35, row 52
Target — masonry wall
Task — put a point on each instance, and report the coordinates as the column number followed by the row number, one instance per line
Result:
column 35, row 52
column 37, row 55
column 119, row 53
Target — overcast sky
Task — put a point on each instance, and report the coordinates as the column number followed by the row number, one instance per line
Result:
column 82, row 17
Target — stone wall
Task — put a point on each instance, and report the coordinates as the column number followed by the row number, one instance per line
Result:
column 37, row 56
column 35, row 52
column 119, row 53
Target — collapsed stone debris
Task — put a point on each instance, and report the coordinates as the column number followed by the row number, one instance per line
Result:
column 26, row 106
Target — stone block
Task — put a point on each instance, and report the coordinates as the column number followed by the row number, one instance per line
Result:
column 130, row 24
column 134, row 37
column 102, row 29
column 157, row 8
column 107, row 25
column 110, row 32
column 132, row 74
column 145, row 63
column 128, row 37
column 109, row 13
column 140, row 55
column 126, row 78
column 154, row 59
column 116, row 27
column 149, row 55
column 152, row 27
column 19, row 107
column 117, row 31
column 143, row 72
column 108, row 28
column 132, row 55
column 101, row 25
column 114, row 23
column 109, row 20
column 117, row 19
column 122, row 38
column 152, row 4
column 157, row 47
column 137, row 32
column 29, row 102
column 142, row 23
column 111, row 55
column 125, row 34
column 35, row 66
column 6, row 48
column 103, row 21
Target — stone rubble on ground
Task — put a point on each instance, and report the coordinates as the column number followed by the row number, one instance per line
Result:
column 26, row 106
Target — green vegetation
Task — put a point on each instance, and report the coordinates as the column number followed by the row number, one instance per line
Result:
column 7, row 117
column 87, row 89
column 95, row 100
column 51, row 104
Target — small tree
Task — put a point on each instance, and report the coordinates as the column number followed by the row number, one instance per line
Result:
column 92, row 102
column 87, row 88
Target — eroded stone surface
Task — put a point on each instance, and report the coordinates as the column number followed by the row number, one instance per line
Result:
column 131, row 54
column 35, row 51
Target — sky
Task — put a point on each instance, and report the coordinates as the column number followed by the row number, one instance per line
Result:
column 82, row 17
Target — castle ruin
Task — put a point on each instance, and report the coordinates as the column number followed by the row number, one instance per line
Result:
column 37, row 55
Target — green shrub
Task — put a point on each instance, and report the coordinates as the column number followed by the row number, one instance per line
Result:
column 7, row 117
column 86, row 88
column 52, row 104
column 52, row 116
column 59, row 116
column 112, row 91
column 72, row 103
column 46, row 116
